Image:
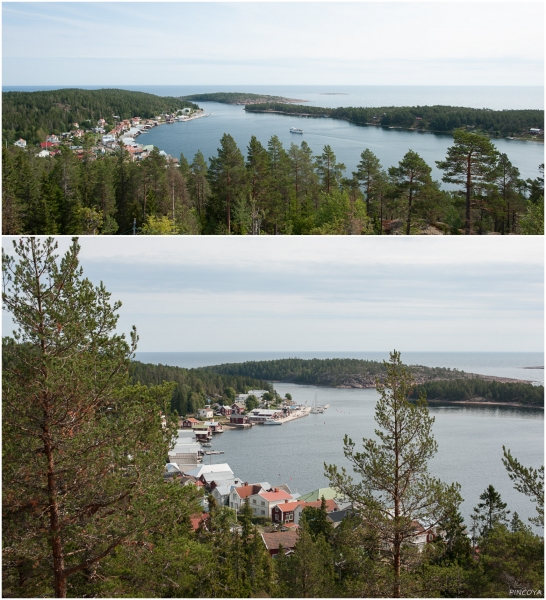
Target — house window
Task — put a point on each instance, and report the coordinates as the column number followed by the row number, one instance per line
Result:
column 290, row 517
column 263, row 512
column 263, row 503
column 254, row 501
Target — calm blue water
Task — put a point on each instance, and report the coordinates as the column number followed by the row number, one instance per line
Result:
column 501, row 364
column 346, row 139
column 470, row 439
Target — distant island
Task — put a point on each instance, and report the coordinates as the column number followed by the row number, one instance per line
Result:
column 239, row 98
column 511, row 124
column 438, row 382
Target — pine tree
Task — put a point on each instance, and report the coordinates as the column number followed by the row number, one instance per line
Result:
column 369, row 173
column 490, row 512
column 395, row 488
column 80, row 445
column 411, row 178
column 469, row 163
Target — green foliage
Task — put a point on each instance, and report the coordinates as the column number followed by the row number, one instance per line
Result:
column 395, row 488
column 492, row 391
column 308, row 572
column 28, row 115
column 80, row 445
column 528, row 481
column 193, row 386
column 251, row 403
column 328, row 372
column 428, row 118
column 492, row 511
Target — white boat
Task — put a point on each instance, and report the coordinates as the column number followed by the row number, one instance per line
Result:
column 272, row 422
column 326, row 406
column 316, row 409
column 295, row 130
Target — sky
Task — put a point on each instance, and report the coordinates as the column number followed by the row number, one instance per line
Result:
column 336, row 294
column 313, row 43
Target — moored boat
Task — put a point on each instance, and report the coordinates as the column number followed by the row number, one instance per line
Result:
column 272, row 422
column 295, row 130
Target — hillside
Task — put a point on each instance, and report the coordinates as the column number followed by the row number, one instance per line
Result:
column 194, row 387
column 238, row 98
column 331, row 372
column 33, row 115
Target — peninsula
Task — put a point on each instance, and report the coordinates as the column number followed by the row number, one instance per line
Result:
column 239, row 98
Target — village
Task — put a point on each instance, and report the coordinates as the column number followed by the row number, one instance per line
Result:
column 276, row 509
column 106, row 139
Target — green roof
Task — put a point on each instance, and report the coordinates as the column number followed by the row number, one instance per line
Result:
column 328, row 493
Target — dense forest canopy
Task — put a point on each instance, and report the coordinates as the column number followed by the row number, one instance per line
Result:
column 194, row 388
column 272, row 190
column 328, row 372
column 236, row 98
column 33, row 115
column 426, row 118
column 490, row 391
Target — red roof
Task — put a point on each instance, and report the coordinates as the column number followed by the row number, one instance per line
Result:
column 289, row 506
column 248, row 490
column 196, row 520
column 192, row 420
column 287, row 539
column 330, row 504
column 272, row 496
column 48, row 144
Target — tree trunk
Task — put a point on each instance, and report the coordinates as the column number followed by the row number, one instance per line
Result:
column 468, row 188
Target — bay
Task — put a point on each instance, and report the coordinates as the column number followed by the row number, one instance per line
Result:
column 470, row 441
column 346, row 139
column 470, row 438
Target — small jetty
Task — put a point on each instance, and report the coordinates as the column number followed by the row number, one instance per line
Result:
column 214, row 452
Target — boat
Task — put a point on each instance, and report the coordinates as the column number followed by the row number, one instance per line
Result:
column 295, row 130
column 272, row 422
column 206, row 444
column 316, row 410
column 326, row 406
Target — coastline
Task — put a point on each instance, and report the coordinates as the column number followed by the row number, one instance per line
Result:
column 483, row 402
column 436, row 131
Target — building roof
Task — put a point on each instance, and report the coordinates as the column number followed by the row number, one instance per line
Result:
column 286, row 539
column 196, row 520
column 315, row 495
column 273, row 496
column 331, row 504
column 288, row 506
column 220, row 468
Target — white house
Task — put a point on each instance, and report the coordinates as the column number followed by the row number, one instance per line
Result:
column 108, row 139
column 206, row 413
column 21, row 143
column 263, row 502
column 43, row 154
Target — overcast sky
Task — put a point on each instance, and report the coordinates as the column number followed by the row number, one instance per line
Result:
column 323, row 293
column 368, row 43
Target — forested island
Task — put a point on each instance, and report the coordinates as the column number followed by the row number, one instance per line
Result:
column 439, row 383
column 195, row 387
column 239, row 98
column 34, row 115
column 480, row 390
column 521, row 124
